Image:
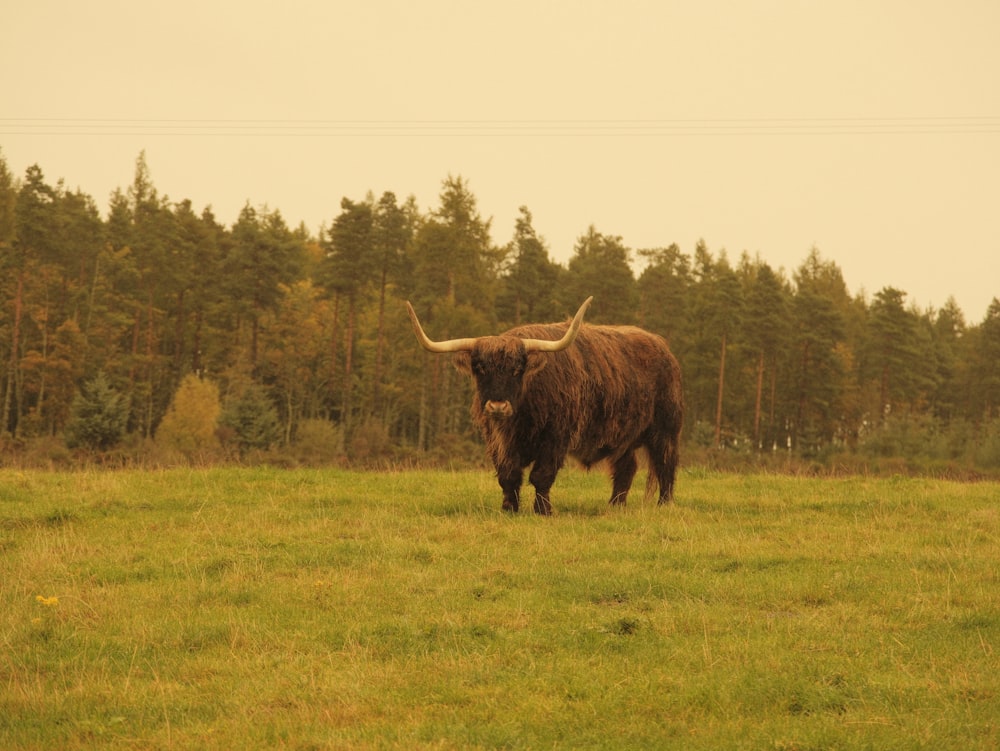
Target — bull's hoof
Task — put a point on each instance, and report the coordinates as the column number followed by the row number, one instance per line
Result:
column 509, row 507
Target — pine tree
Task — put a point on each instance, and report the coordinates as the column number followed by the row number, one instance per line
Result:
column 819, row 375
column 528, row 294
column 99, row 416
column 251, row 419
column 891, row 351
column 766, row 331
column 600, row 267
column 986, row 365
column 454, row 272
column 263, row 255
column 664, row 296
column 350, row 268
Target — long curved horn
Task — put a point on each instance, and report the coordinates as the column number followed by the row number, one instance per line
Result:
column 450, row 345
column 547, row 345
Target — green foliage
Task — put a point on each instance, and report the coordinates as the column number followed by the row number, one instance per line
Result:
column 269, row 608
column 350, row 257
column 157, row 290
column 664, row 289
column 600, row 267
column 251, row 419
column 317, row 443
column 99, row 415
column 528, row 291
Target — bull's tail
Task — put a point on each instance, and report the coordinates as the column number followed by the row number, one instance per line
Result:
column 663, row 451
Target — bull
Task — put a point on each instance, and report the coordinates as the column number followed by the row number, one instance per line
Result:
column 596, row 393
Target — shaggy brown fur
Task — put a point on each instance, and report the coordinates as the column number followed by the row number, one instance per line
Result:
column 614, row 391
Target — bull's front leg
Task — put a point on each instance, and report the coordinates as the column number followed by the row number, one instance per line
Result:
column 542, row 480
column 510, row 479
column 543, row 475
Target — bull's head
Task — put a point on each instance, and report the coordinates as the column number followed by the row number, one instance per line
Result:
column 501, row 365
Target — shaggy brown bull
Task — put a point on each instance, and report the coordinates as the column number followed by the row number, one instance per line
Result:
column 597, row 393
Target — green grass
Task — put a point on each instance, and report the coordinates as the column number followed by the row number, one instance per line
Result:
column 268, row 608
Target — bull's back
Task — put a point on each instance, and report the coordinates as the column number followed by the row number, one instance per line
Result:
column 605, row 390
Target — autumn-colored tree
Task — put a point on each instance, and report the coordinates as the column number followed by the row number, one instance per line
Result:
column 294, row 352
column 392, row 233
column 155, row 291
column 455, row 271
column 192, row 419
column 12, row 289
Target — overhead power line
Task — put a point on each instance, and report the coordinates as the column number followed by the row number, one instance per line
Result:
column 843, row 126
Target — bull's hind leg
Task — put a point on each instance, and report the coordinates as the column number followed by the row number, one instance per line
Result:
column 622, row 473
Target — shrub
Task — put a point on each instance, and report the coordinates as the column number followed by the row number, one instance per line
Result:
column 316, row 443
column 98, row 416
column 191, row 421
column 370, row 442
column 251, row 420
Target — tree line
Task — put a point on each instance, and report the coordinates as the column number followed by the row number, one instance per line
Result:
column 304, row 341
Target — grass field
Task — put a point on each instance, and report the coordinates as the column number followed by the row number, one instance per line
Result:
column 266, row 608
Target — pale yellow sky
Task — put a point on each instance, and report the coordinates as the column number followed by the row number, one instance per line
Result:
column 868, row 129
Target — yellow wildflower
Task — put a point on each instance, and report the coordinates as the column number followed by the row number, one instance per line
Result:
column 49, row 602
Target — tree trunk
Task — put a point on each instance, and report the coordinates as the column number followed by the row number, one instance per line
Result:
column 346, row 416
column 136, row 329
column 883, row 398
column 5, row 421
column 774, row 399
column 718, row 404
column 196, row 344
column 91, row 296
column 150, row 338
column 422, row 412
column 799, row 426
column 334, row 338
column 179, row 333
column 757, row 403
column 379, row 347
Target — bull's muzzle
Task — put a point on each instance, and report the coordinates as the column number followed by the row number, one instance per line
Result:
column 498, row 409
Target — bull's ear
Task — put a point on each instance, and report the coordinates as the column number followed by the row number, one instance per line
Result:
column 536, row 361
column 463, row 362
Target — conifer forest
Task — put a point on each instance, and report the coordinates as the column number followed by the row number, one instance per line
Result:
column 152, row 330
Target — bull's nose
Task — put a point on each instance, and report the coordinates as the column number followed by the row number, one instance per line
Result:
column 498, row 409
